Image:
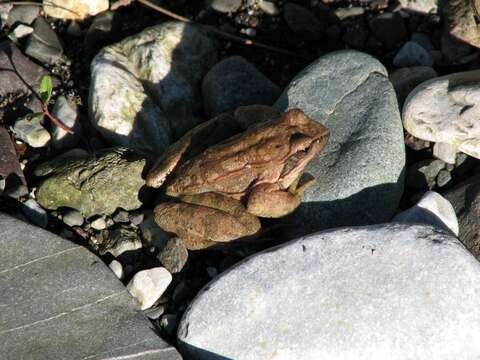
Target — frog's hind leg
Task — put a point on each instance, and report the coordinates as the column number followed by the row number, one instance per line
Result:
column 203, row 219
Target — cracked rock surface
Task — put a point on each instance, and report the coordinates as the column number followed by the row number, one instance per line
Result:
column 359, row 174
column 93, row 185
column 60, row 301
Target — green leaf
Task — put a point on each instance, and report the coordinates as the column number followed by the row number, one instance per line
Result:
column 46, row 88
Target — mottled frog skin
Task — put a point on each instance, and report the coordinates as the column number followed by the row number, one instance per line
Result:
column 225, row 181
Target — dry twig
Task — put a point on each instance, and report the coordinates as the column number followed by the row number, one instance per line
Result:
column 208, row 28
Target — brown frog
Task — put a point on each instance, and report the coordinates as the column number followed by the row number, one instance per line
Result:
column 225, row 182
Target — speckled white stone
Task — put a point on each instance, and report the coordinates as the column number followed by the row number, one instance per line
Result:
column 74, row 9
column 392, row 291
column 446, row 109
column 145, row 89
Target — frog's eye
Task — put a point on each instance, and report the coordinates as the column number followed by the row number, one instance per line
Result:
column 300, row 141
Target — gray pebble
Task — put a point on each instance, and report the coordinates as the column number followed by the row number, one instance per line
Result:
column 98, row 224
column 226, row 6
column 73, row 218
column 268, row 7
column 43, row 44
column 67, row 112
column 154, row 313
column 412, row 54
column 169, row 323
column 443, row 178
column 31, row 130
column 174, row 255
column 422, row 174
column 121, row 216
column 35, row 213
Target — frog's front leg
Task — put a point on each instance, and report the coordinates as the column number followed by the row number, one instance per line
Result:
column 271, row 201
column 206, row 219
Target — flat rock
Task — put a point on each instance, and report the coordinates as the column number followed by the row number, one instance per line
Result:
column 359, row 174
column 43, row 44
column 74, row 9
column 391, row 291
column 235, row 82
column 446, row 109
column 145, row 90
column 10, row 169
column 62, row 302
column 17, row 72
column 95, row 184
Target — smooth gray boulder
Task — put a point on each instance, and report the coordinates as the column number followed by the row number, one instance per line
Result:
column 390, row 291
column 60, row 301
column 145, row 90
column 359, row 174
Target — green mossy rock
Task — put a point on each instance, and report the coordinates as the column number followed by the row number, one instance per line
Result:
column 93, row 184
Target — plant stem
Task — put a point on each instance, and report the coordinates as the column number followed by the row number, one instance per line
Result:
column 56, row 120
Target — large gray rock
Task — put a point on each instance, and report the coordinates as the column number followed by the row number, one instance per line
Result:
column 145, row 90
column 94, row 184
column 359, row 174
column 60, row 301
column 389, row 291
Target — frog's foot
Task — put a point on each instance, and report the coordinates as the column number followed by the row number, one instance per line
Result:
column 270, row 201
column 206, row 218
column 302, row 183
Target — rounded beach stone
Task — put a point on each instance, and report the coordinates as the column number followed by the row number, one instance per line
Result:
column 445, row 109
column 359, row 174
column 391, row 291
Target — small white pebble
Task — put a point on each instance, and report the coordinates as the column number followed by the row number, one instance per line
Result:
column 99, row 224
column 117, row 269
column 148, row 285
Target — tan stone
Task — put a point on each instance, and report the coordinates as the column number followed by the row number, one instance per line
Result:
column 74, row 9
